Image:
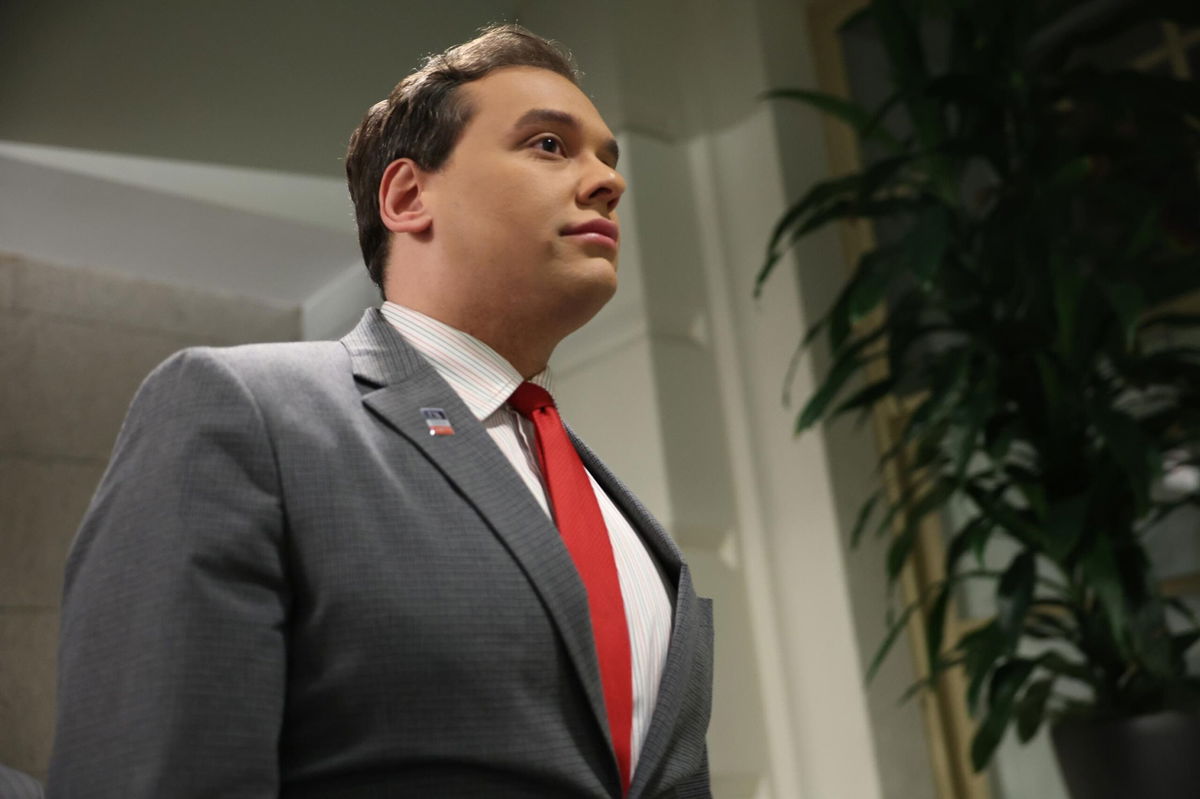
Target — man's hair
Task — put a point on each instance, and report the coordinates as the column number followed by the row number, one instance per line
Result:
column 424, row 116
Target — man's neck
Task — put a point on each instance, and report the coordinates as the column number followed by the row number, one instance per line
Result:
column 511, row 339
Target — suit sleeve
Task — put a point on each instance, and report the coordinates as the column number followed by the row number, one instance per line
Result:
column 172, row 661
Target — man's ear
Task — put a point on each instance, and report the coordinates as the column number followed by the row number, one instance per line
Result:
column 401, row 205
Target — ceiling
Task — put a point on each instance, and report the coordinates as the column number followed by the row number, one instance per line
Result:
column 269, row 84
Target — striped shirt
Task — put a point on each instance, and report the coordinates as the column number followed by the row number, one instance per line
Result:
column 484, row 381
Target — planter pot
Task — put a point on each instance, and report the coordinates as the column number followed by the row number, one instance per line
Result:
column 1144, row 757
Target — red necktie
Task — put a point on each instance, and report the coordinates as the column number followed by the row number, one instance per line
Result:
column 581, row 525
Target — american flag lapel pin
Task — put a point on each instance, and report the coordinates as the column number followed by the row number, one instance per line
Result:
column 437, row 422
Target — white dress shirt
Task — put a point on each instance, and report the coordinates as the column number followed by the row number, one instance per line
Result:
column 484, row 381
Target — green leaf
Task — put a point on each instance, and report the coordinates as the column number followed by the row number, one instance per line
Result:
column 864, row 513
column 947, row 381
column 1137, row 457
column 1058, row 664
column 863, row 292
column 874, row 130
column 866, row 397
column 1006, row 682
column 926, row 244
column 897, row 554
column 893, row 510
column 1045, row 626
column 820, row 195
column 901, row 38
column 1068, row 286
column 889, row 639
column 1031, row 710
column 935, row 670
column 936, row 622
column 814, row 409
column 795, row 225
column 974, row 412
column 865, row 124
column 1000, row 431
column 847, row 364
column 1052, row 382
column 1003, row 514
column 876, row 271
column 980, row 648
column 1152, row 641
column 916, row 507
column 1065, row 519
column 969, row 538
column 1128, row 302
column 870, row 286
column 1147, row 233
column 1179, row 606
column 832, row 199
column 1014, row 594
column 1101, row 575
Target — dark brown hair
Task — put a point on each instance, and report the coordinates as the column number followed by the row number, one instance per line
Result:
column 424, row 116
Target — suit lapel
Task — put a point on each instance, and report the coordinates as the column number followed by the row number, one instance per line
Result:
column 682, row 652
column 684, row 628
column 473, row 463
column 647, row 527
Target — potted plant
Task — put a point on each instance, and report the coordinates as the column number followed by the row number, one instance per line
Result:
column 1043, row 228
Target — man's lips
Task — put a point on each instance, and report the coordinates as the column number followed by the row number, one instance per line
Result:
column 599, row 231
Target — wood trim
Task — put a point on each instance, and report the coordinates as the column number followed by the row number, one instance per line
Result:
column 947, row 723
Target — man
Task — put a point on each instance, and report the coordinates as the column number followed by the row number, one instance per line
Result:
column 381, row 567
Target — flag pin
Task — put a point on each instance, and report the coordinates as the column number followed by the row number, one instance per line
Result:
column 437, row 421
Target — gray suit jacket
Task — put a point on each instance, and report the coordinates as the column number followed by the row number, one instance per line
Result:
column 18, row 785
column 285, row 586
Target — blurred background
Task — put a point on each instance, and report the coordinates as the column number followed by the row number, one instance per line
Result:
column 171, row 175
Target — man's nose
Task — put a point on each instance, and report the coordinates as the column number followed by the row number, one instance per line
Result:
column 603, row 184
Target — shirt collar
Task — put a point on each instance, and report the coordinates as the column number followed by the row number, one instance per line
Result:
column 479, row 375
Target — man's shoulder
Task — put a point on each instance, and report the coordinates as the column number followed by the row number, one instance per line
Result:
column 295, row 359
column 264, row 373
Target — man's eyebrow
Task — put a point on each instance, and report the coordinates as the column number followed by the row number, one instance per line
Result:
column 556, row 117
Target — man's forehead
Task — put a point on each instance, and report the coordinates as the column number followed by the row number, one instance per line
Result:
column 515, row 91
column 513, row 99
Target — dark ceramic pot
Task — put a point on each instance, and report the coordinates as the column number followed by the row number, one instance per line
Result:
column 1144, row 757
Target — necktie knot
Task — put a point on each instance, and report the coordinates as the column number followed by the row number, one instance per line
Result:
column 530, row 397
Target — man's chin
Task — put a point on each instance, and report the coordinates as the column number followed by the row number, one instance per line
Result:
column 587, row 299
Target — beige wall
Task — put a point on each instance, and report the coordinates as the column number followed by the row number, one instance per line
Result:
column 74, row 345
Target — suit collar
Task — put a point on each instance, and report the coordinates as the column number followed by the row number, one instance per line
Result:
column 377, row 352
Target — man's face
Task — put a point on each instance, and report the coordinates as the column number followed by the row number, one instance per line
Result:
column 534, row 163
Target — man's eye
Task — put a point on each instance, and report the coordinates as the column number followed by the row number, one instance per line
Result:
column 549, row 144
